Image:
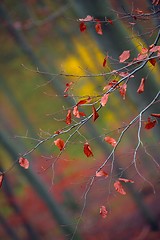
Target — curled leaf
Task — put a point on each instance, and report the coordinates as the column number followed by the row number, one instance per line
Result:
column 103, row 212
column 119, row 188
column 59, row 143
column 124, row 56
column 86, row 19
column 1, row 178
column 23, row 162
column 122, row 90
column 87, row 150
column 82, row 27
column 141, row 86
column 157, row 115
column 101, row 173
column 110, row 140
column 98, row 28
column 68, row 117
column 104, row 99
column 150, row 124
column 95, row 113
column 125, row 180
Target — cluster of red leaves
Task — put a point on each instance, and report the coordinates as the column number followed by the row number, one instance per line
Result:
column 98, row 25
column 23, row 162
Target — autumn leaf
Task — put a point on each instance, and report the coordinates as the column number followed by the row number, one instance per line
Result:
column 157, row 115
column 82, row 27
column 119, row 188
column 152, row 61
column 59, row 143
column 87, row 19
column 68, row 86
column 111, row 84
column 78, row 114
column 81, row 102
column 105, row 61
column 141, row 86
column 23, row 162
column 101, row 173
column 98, row 28
column 103, row 212
column 68, row 117
column 95, row 113
column 124, row 56
column 104, row 99
column 110, row 140
column 155, row 49
column 1, row 179
column 122, row 90
column 150, row 124
column 110, row 21
column 125, row 180
column 87, row 150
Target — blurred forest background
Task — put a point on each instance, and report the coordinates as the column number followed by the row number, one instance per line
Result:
column 45, row 35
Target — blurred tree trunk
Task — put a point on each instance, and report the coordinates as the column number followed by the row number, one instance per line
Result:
column 7, row 228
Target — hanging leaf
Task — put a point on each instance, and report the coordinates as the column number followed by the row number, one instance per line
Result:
column 119, row 188
column 141, row 86
column 68, row 117
column 157, row 115
column 111, row 84
column 87, row 150
column 87, row 19
column 153, row 61
column 98, row 28
column 81, row 102
column 1, row 178
column 78, row 114
column 110, row 140
column 23, row 162
column 105, row 61
column 124, row 56
column 67, row 86
column 82, row 27
column 150, row 124
column 95, row 114
column 125, row 180
column 104, row 99
column 101, row 173
column 103, row 212
column 122, row 90
column 59, row 143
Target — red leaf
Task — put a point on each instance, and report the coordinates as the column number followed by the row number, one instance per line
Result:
column 125, row 180
column 68, row 117
column 87, row 150
column 140, row 57
column 78, row 114
column 59, row 143
column 141, row 86
column 153, row 61
column 111, row 141
column 119, row 188
column 23, row 162
column 87, row 19
column 111, row 84
column 124, row 56
column 82, row 27
column 122, row 90
column 81, row 102
column 156, row 2
column 68, row 86
column 98, row 28
column 155, row 49
column 144, row 50
column 103, row 212
column 105, row 61
column 109, row 21
column 95, row 113
column 157, row 115
column 1, row 179
column 150, row 124
column 101, row 173
column 104, row 99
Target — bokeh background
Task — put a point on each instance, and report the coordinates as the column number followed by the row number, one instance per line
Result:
column 46, row 201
